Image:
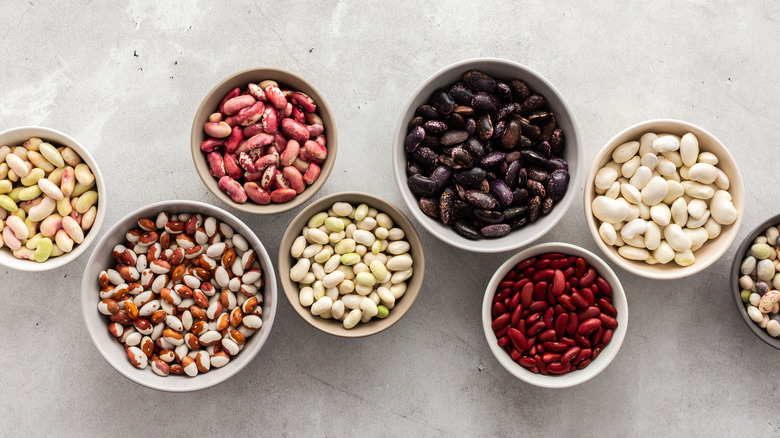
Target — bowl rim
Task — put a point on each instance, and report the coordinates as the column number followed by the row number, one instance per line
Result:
column 509, row 242
column 605, row 357
column 290, row 288
column 143, row 378
column 331, row 134
column 735, row 273
column 46, row 133
column 678, row 271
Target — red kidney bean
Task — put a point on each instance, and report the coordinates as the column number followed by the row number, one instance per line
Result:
column 560, row 324
column 550, row 310
column 590, row 312
column 608, row 321
column 606, row 307
column 501, row 321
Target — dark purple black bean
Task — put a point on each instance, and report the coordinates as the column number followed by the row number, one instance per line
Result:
column 493, row 159
column 484, row 103
column 455, row 121
column 441, row 176
column 446, row 159
column 531, row 157
column 534, row 208
column 503, row 91
column 435, row 127
column 413, row 168
column 548, row 127
column 522, row 178
column 512, row 174
column 462, row 157
column 425, row 157
column 464, row 111
column 536, row 188
column 453, row 137
column 488, row 216
column 429, row 206
column 446, row 205
column 506, row 110
column 502, row 192
column 511, row 135
column 518, row 223
column 525, row 142
column 431, row 142
column 471, row 125
column 556, row 163
column 495, row 231
column 466, row 230
column 427, row 112
column 461, row 94
column 481, row 199
column 499, row 130
column 519, row 197
column 529, row 130
column 461, row 209
column 520, row 91
column 422, row 186
column 539, row 117
column 512, row 156
column 416, row 121
column 513, row 212
column 557, row 184
column 532, row 103
column 442, row 101
column 414, row 139
column 484, row 127
column 475, row 147
column 557, row 141
column 537, row 174
column 547, row 205
column 479, row 81
column 762, row 287
column 544, row 148
column 469, row 177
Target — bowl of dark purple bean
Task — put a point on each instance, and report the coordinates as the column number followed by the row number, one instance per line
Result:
column 487, row 155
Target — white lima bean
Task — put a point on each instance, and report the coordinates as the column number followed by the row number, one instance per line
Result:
column 357, row 260
column 660, row 198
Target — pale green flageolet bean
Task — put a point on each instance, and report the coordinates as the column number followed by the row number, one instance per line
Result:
column 350, row 258
column 6, row 186
column 52, row 154
column 345, row 246
column 8, row 203
column 86, row 201
column 80, row 189
column 761, row 251
column 382, row 311
column 379, row 270
column 32, row 192
column 361, row 212
column 43, row 251
column 366, row 279
column 334, row 224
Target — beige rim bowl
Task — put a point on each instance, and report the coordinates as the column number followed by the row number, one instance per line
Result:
column 334, row 327
column 17, row 136
column 210, row 105
column 114, row 353
column 712, row 249
column 575, row 377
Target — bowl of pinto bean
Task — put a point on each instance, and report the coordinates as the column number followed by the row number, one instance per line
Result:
column 554, row 315
column 486, row 155
column 264, row 140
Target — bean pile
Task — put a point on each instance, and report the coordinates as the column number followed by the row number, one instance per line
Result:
column 760, row 281
column 553, row 313
column 660, row 199
column 352, row 264
column 184, row 294
column 265, row 143
column 485, row 156
column 47, row 200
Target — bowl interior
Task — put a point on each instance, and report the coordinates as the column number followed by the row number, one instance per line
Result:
column 17, row 136
column 113, row 351
column 575, row 377
column 734, row 280
column 500, row 69
column 713, row 249
column 334, row 327
column 210, row 104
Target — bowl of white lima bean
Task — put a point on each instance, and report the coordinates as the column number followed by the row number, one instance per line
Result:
column 664, row 199
column 351, row 264
column 179, row 296
column 51, row 206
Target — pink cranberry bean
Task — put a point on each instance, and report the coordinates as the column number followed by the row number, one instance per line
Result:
column 252, row 130
column 286, row 112
column 216, row 164
column 236, row 104
column 275, row 96
column 312, row 173
column 231, row 94
column 313, row 119
column 245, row 161
column 261, row 139
column 320, row 140
column 282, row 195
column 268, row 177
column 315, row 130
column 211, row 144
column 295, row 130
column 232, row 168
column 217, row 130
column 256, row 193
column 251, row 114
column 290, row 153
column 297, row 115
column 253, row 176
column 270, row 120
column 257, row 92
column 294, row 177
column 233, row 189
column 305, row 156
column 232, row 143
column 279, row 180
column 304, row 101
column 265, row 161
column 301, row 165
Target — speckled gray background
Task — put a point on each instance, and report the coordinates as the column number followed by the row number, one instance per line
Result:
column 125, row 78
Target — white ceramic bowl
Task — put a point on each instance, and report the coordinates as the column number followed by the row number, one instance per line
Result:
column 713, row 249
column 114, row 352
column 17, row 136
column 499, row 69
column 575, row 377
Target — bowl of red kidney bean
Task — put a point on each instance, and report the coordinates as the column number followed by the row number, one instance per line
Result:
column 264, row 140
column 179, row 296
column 554, row 315
column 486, row 155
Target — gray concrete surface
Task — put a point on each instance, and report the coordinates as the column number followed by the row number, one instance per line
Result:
column 125, row 78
